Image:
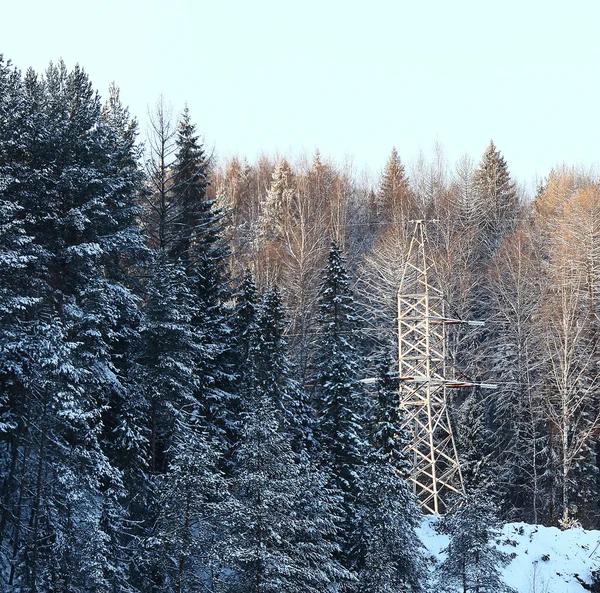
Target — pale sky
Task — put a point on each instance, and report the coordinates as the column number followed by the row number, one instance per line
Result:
column 350, row 78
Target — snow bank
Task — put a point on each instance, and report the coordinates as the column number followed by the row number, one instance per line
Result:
column 544, row 559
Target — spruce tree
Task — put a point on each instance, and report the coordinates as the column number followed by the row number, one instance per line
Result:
column 339, row 427
column 194, row 402
column 387, row 553
column 243, row 337
column 277, row 373
column 190, row 538
column 190, row 182
column 166, row 355
column 387, row 437
column 200, row 248
column 473, row 563
column 266, row 522
column 282, row 517
column 164, row 384
column 472, row 443
column 497, row 203
column 395, row 200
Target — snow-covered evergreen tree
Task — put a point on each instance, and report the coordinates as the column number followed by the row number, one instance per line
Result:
column 497, row 203
column 201, row 250
column 472, row 443
column 267, row 522
column 17, row 301
column 190, row 538
column 387, row 437
column 473, row 563
column 387, row 554
column 166, row 356
column 283, row 518
column 276, row 373
column 164, row 389
column 339, row 427
column 73, row 182
column 241, row 380
column 190, row 182
column 395, row 200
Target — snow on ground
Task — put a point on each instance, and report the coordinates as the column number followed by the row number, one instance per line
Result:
column 544, row 559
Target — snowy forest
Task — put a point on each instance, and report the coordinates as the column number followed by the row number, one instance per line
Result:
column 184, row 342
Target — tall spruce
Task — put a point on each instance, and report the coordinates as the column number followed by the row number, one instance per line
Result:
column 183, row 373
column 387, row 554
column 202, row 252
column 277, row 373
column 243, row 339
column 339, row 427
column 280, row 535
column 190, row 182
column 165, row 383
column 497, row 203
column 395, row 201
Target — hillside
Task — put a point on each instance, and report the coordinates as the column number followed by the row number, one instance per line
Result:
column 546, row 560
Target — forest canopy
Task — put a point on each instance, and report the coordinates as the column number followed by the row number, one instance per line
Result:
column 183, row 340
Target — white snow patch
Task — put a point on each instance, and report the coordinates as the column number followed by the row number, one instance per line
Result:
column 547, row 560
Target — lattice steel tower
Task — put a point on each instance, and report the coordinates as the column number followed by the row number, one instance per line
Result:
column 424, row 379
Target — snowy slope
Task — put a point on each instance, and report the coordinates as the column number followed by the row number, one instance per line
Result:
column 546, row 559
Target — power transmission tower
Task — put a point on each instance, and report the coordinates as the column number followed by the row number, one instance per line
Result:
column 424, row 379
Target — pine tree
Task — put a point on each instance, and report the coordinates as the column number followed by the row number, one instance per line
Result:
column 17, row 301
column 123, row 264
column 74, row 183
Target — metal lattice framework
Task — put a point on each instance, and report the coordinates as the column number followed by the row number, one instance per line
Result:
column 424, row 382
